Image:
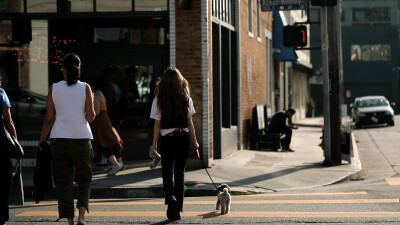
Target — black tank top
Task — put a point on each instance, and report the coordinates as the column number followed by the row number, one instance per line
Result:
column 175, row 121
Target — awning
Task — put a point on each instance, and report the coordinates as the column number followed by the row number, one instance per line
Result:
column 281, row 52
column 307, row 69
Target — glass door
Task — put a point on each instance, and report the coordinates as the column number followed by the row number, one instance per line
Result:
column 135, row 78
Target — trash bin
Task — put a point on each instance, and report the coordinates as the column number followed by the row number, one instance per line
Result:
column 345, row 133
column 345, row 140
column 345, row 143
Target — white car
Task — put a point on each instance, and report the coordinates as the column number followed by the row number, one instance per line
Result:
column 372, row 110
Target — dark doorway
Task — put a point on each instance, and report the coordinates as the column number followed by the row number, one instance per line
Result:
column 135, row 49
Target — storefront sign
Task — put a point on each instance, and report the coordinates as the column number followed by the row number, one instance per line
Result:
column 275, row 5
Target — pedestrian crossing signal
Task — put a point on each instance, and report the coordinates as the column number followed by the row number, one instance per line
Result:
column 294, row 36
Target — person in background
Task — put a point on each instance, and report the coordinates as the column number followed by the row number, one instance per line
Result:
column 105, row 135
column 310, row 106
column 115, row 105
column 278, row 125
column 69, row 112
column 5, row 162
column 112, row 93
column 172, row 110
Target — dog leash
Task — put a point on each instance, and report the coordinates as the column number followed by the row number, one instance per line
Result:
column 202, row 163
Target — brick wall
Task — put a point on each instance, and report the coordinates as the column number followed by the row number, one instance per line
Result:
column 210, row 84
column 253, row 65
column 188, row 57
column 189, row 61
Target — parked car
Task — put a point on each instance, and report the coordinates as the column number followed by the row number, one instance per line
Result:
column 372, row 110
column 28, row 110
column 354, row 106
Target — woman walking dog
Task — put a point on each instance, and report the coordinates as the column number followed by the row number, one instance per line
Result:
column 172, row 111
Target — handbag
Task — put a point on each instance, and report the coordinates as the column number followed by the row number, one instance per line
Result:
column 16, row 194
column 10, row 143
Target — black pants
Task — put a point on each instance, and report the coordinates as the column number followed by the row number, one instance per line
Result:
column 5, row 176
column 174, row 154
column 288, row 138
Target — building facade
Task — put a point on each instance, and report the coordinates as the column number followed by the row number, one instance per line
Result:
column 225, row 49
column 370, row 46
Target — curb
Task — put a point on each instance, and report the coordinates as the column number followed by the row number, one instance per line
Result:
column 359, row 173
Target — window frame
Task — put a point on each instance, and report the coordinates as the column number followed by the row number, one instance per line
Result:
column 250, row 17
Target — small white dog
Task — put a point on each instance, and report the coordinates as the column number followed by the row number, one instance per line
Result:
column 224, row 199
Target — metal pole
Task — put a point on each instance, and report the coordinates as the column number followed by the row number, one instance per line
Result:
column 326, row 84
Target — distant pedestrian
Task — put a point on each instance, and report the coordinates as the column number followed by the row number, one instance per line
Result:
column 310, row 107
column 172, row 110
column 104, row 134
column 113, row 95
column 5, row 162
column 116, row 106
column 278, row 124
column 69, row 111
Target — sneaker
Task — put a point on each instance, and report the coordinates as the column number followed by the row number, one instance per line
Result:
column 122, row 165
column 156, row 161
column 114, row 169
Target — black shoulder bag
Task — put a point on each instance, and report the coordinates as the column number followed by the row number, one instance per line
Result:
column 10, row 143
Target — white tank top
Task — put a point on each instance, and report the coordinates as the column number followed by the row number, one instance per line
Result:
column 70, row 118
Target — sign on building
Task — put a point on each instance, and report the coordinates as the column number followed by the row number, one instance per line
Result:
column 275, row 5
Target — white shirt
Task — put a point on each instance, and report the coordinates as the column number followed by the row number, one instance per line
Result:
column 156, row 114
column 70, row 119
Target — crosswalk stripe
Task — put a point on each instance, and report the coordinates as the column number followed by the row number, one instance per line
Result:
column 307, row 201
column 253, row 214
column 394, row 181
column 306, row 194
column 92, row 201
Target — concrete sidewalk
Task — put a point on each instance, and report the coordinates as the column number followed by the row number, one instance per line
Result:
column 246, row 171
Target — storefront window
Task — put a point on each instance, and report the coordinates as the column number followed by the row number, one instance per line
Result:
column 114, row 6
column 151, row 5
column 370, row 52
column 111, row 34
column 371, row 15
column 14, row 6
column 24, row 71
column 38, row 58
column 81, row 5
column 134, row 83
column 146, row 35
column 5, row 32
column 42, row 6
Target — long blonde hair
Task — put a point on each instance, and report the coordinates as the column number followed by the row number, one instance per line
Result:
column 172, row 91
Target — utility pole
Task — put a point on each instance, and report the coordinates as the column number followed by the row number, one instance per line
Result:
column 334, row 78
column 326, row 84
column 330, row 40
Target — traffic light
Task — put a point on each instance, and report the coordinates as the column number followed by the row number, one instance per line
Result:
column 324, row 2
column 294, row 36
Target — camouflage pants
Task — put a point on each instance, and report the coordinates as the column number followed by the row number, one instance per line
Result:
column 68, row 154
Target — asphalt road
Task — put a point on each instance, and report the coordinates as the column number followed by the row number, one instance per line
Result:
column 373, row 200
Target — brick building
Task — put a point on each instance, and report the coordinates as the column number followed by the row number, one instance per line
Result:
column 223, row 47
